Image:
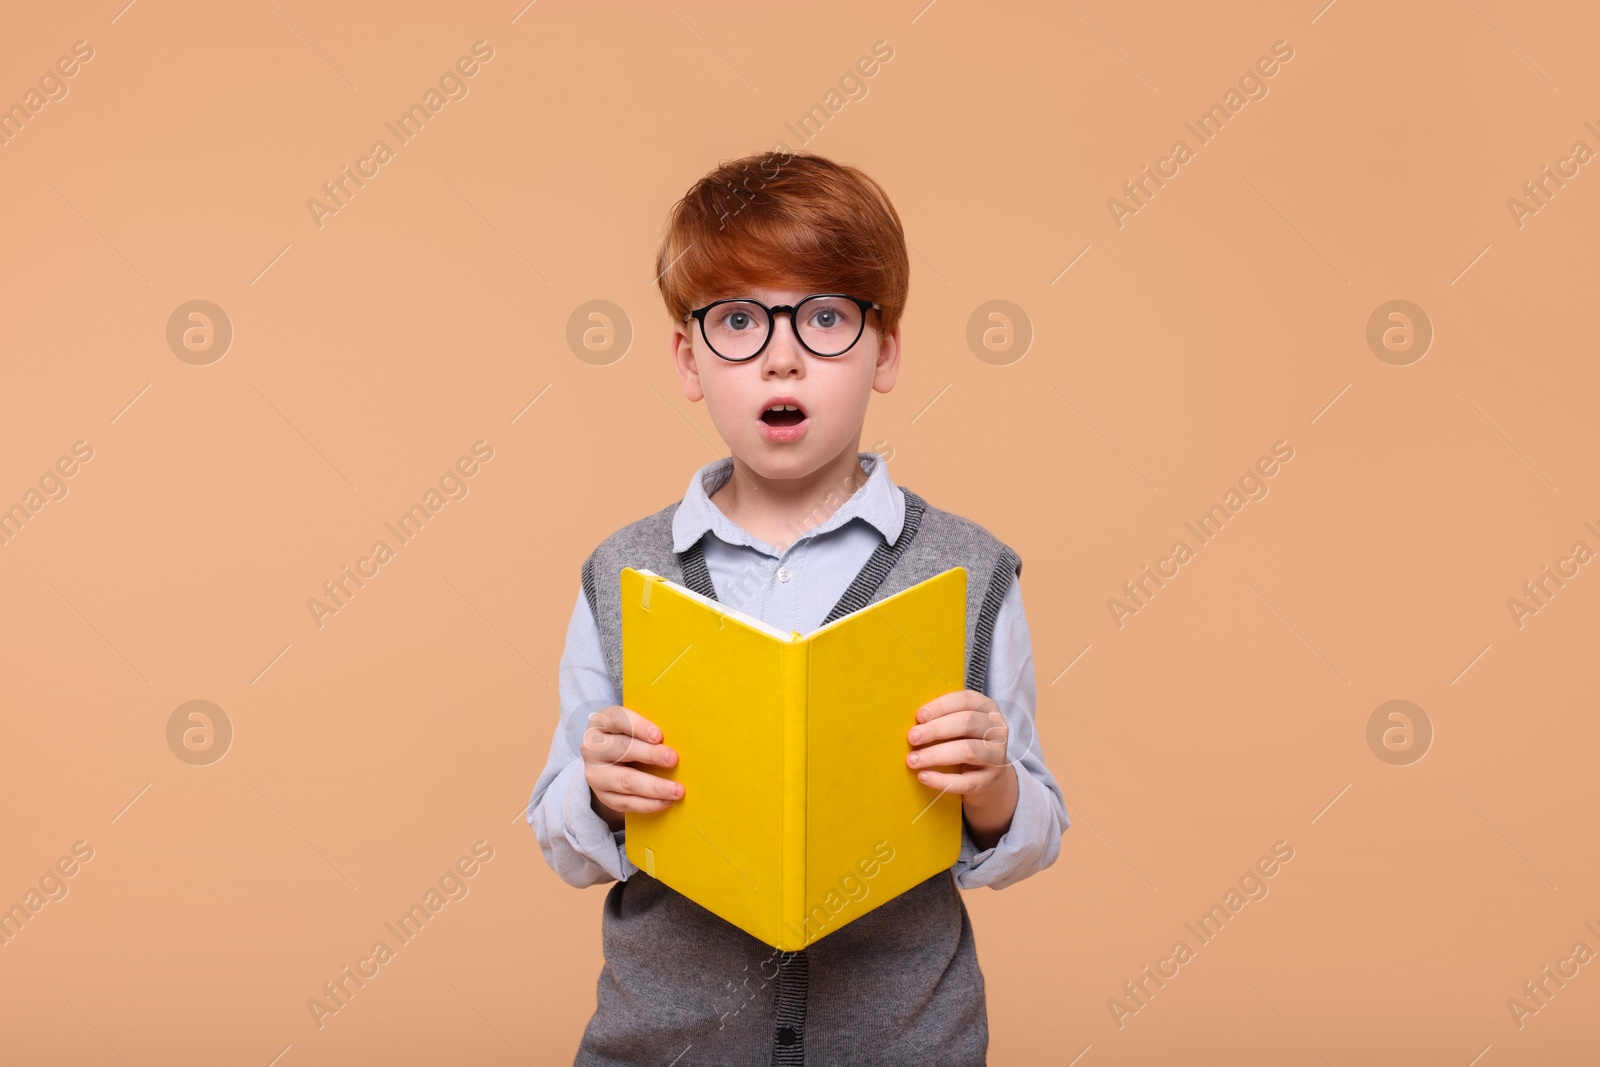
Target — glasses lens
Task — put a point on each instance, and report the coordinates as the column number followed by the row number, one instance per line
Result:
column 828, row 325
column 736, row 329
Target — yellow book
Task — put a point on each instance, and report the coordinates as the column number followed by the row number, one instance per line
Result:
column 799, row 813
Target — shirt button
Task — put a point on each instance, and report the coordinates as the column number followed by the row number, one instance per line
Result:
column 784, row 574
column 786, row 1035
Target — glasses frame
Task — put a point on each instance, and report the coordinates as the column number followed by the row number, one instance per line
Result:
column 772, row 320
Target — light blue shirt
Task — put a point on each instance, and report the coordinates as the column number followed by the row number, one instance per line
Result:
column 793, row 589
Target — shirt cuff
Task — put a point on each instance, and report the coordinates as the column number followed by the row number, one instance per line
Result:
column 1024, row 848
column 586, row 831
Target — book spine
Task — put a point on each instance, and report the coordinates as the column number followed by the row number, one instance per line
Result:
column 797, row 672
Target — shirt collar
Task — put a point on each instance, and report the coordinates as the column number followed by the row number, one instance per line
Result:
column 878, row 501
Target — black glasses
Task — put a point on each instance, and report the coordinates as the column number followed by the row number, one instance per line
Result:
column 826, row 324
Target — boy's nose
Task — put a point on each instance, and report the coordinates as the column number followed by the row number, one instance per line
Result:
column 783, row 347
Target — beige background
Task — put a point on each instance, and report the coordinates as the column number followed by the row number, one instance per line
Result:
column 368, row 354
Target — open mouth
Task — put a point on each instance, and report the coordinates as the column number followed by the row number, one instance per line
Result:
column 783, row 415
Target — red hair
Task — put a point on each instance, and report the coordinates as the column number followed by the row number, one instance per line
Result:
column 784, row 220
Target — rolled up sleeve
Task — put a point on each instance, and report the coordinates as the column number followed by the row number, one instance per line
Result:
column 1033, row 840
column 576, row 842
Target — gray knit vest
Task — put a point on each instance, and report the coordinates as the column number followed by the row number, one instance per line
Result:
column 899, row 985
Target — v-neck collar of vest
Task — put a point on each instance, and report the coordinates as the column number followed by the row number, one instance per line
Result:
column 697, row 576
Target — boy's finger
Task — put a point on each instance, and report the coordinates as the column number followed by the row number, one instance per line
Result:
column 600, row 746
column 945, row 703
column 629, row 802
column 951, row 783
column 608, row 720
column 643, row 783
column 963, row 750
column 616, row 719
column 658, row 755
column 989, row 725
column 631, row 722
column 629, row 781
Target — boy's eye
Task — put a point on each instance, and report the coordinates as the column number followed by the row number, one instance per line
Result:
column 735, row 318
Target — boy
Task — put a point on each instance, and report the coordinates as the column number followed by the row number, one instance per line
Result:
column 785, row 276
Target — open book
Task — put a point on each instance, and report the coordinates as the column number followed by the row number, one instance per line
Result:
column 799, row 813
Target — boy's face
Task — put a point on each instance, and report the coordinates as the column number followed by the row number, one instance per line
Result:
column 832, row 392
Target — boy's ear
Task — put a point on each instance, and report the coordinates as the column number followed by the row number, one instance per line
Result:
column 682, row 344
column 888, row 368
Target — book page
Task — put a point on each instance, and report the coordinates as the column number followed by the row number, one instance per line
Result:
column 733, row 613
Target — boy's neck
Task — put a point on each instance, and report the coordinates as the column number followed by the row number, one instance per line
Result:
column 780, row 510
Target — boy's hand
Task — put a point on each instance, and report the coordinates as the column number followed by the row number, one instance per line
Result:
column 966, row 728
column 617, row 737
